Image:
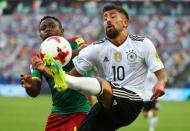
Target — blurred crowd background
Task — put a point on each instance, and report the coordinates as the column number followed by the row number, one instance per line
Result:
column 165, row 22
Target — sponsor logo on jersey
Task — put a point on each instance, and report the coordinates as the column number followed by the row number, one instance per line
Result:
column 117, row 56
column 131, row 55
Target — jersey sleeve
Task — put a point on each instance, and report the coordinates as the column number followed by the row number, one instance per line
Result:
column 152, row 59
column 84, row 61
column 35, row 73
column 76, row 42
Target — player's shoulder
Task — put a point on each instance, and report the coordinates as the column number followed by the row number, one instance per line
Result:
column 73, row 42
column 95, row 46
column 134, row 37
column 101, row 41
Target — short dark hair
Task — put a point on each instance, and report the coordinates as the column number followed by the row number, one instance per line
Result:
column 51, row 17
column 117, row 7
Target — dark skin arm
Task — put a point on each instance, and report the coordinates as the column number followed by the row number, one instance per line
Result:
column 74, row 72
column 75, row 52
column 159, row 88
column 32, row 86
column 38, row 64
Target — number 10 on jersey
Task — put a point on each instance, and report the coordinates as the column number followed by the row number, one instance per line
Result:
column 118, row 73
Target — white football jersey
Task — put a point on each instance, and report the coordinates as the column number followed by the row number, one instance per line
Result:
column 126, row 65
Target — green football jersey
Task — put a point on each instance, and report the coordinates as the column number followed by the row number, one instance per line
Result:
column 67, row 102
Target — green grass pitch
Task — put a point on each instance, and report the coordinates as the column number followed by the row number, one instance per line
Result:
column 30, row 114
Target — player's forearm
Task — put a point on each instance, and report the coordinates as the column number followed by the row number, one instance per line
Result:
column 34, row 90
column 75, row 52
column 46, row 72
column 74, row 72
column 31, row 92
column 162, row 76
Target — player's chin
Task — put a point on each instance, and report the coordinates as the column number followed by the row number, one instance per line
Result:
column 111, row 34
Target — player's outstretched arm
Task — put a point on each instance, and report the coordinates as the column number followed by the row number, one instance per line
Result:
column 32, row 86
column 159, row 88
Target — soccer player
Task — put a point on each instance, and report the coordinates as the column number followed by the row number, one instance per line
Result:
column 122, row 61
column 150, row 108
column 69, row 108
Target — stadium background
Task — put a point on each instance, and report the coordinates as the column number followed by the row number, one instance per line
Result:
column 166, row 22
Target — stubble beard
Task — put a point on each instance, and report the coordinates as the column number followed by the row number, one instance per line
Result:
column 112, row 33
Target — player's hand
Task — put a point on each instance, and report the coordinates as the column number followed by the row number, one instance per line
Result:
column 158, row 91
column 26, row 81
column 37, row 63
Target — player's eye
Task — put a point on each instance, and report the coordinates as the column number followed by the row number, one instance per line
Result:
column 42, row 28
column 113, row 16
column 52, row 26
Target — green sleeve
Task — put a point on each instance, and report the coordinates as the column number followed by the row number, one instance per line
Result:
column 74, row 45
column 91, row 72
column 36, row 73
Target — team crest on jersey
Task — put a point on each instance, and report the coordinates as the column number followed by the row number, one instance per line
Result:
column 118, row 56
column 131, row 55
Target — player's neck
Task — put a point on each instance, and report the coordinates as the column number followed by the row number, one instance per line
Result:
column 120, row 39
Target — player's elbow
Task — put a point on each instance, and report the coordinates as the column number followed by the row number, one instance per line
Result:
column 32, row 93
column 162, row 76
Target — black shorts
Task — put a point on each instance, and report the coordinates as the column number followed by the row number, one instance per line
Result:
column 126, row 106
column 149, row 105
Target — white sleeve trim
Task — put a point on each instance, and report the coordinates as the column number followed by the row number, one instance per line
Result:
column 156, row 68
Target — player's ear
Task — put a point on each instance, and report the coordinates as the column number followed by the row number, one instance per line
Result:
column 125, row 23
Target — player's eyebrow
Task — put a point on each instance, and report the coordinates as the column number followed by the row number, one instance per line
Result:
column 110, row 13
column 105, row 14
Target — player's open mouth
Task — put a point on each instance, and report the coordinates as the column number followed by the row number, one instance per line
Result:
column 49, row 34
column 109, row 27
